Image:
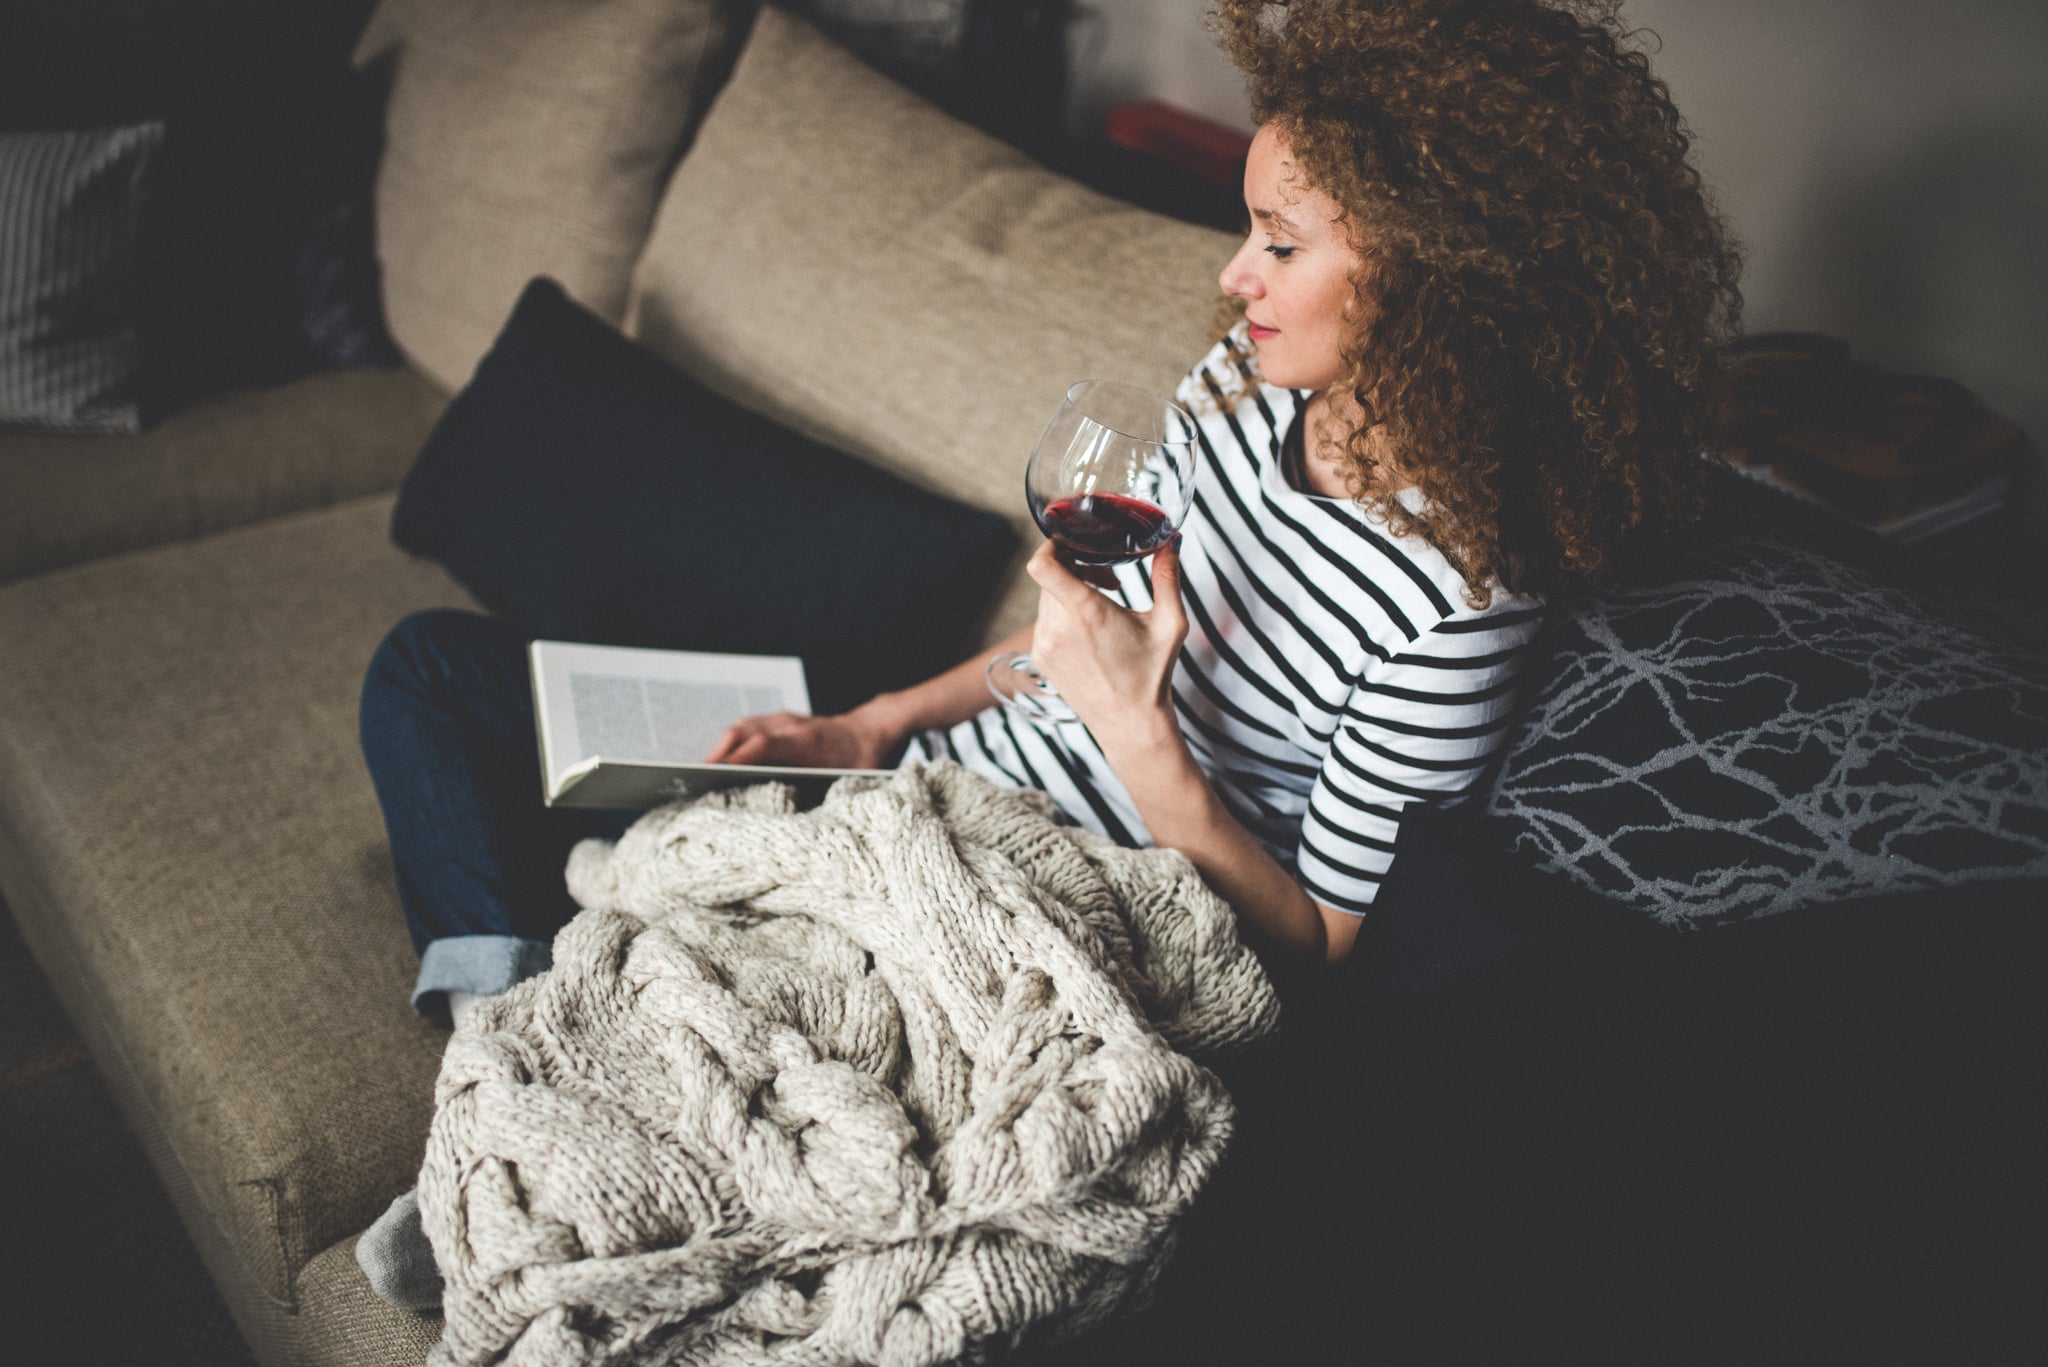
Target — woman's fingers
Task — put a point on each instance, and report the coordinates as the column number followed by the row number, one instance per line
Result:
column 1168, row 614
column 723, row 746
column 789, row 738
column 1057, row 580
column 746, row 740
column 752, row 750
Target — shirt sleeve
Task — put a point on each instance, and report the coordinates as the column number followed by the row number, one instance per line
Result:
column 1419, row 727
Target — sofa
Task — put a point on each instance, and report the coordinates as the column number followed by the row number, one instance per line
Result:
column 192, row 850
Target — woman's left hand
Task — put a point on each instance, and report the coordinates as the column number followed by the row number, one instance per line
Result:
column 1113, row 666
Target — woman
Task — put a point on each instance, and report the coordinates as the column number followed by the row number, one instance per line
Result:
column 1480, row 298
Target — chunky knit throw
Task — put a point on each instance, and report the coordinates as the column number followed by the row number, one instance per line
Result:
column 900, row 1079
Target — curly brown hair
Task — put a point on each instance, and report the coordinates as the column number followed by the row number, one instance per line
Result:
column 1548, row 288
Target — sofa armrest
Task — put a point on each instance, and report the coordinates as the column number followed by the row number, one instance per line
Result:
column 237, row 459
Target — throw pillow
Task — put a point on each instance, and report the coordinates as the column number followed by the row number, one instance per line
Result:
column 1771, row 730
column 585, row 490
column 255, row 256
column 70, row 214
column 839, row 254
column 525, row 138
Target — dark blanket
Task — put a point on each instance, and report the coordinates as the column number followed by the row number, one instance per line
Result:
column 1516, row 1128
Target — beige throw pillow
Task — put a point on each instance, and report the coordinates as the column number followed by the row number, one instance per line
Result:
column 839, row 254
column 524, row 138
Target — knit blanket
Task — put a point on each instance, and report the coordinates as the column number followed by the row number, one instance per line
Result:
column 908, row 1077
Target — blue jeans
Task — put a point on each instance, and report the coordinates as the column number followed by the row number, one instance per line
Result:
column 448, row 734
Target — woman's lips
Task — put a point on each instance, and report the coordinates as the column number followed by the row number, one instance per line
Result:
column 1260, row 334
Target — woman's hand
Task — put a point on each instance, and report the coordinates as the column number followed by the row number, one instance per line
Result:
column 869, row 736
column 1114, row 667
column 851, row 740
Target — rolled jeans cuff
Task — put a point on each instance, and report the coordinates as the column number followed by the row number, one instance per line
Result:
column 481, row 965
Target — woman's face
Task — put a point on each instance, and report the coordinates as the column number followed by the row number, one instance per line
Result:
column 1294, row 270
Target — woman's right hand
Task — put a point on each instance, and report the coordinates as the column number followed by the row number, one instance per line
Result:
column 851, row 740
column 871, row 735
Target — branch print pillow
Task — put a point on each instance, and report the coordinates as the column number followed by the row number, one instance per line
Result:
column 1771, row 731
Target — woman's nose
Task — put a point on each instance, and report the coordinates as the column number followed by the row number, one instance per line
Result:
column 1238, row 278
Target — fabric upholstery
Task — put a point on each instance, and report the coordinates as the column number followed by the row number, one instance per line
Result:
column 1771, row 729
column 70, row 253
column 524, row 138
column 184, row 807
column 69, row 497
column 341, row 1324
column 584, row 490
column 839, row 254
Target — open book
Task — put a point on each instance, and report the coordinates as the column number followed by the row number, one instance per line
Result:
column 621, row 727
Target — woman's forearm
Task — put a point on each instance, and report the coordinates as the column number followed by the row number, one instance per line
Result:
column 1116, row 668
column 943, row 700
column 1182, row 811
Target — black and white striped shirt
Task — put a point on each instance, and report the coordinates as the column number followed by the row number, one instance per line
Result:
column 1332, row 673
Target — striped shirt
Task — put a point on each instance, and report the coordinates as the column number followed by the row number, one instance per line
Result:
column 1332, row 673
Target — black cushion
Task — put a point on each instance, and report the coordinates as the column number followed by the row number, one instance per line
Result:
column 585, row 490
column 1770, row 728
column 1457, row 909
column 1533, row 1123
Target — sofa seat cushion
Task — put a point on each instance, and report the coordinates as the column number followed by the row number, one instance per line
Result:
column 191, row 842
column 66, row 498
column 839, row 254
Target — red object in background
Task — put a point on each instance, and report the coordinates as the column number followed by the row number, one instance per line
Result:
column 1189, row 141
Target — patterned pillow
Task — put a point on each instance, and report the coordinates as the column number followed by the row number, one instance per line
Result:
column 70, row 205
column 1772, row 731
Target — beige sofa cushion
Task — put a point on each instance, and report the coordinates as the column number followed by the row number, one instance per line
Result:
column 524, row 138
column 191, row 842
column 236, row 459
column 839, row 254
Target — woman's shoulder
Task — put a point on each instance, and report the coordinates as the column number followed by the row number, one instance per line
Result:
column 1438, row 590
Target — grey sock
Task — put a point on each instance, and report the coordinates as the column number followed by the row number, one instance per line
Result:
column 395, row 1255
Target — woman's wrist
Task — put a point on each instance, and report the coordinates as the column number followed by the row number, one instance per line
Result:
column 1150, row 756
column 887, row 719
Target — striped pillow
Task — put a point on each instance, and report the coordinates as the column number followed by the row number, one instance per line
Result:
column 70, row 208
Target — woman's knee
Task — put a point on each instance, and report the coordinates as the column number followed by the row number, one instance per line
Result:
column 426, row 648
column 429, row 658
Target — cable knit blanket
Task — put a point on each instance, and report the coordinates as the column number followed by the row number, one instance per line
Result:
column 901, row 1079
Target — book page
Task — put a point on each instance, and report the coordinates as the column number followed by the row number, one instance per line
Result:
column 620, row 716
column 650, row 706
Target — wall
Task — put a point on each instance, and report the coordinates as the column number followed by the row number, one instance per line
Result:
column 1885, row 162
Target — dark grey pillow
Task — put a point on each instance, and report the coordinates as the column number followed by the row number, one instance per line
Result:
column 70, row 213
column 1774, row 730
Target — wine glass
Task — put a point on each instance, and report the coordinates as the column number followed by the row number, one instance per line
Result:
column 1109, row 482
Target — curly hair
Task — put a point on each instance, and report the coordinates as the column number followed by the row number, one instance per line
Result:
column 1546, row 287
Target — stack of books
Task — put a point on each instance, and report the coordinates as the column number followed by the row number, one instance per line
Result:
column 1903, row 456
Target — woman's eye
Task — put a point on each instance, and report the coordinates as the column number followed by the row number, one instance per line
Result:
column 1280, row 252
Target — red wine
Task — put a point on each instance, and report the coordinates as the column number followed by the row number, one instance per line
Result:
column 1104, row 529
